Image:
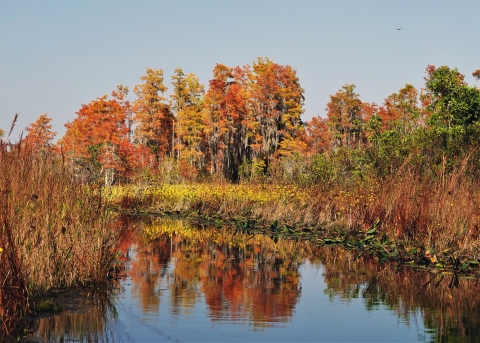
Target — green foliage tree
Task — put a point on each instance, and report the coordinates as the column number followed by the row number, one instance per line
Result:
column 454, row 107
column 403, row 113
column 392, row 127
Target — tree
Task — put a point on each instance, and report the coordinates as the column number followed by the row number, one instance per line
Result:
column 476, row 74
column 153, row 115
column 454, row 105
column 277, row 104
column 97, row 141
column 403, row 113
column 228, row 121
column 318, row 135
column 215, row 120
column 187, row 104
column 249, row 112
column 237, row 124
column 40, row 134
column 374, row 117
column 345, row 117
column 120, row 95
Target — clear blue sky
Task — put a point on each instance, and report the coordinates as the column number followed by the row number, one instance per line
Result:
column 57, row 55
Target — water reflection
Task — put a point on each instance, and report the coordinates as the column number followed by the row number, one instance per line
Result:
column 85, row 317
column 450, row 310
column 203, row 284
column 241, row 278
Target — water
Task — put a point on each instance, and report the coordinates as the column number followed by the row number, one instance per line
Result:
column 184, row 284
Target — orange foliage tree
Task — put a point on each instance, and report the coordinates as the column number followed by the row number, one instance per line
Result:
column 318, row 135
column 253, row 116
column 227, row 120
column 345, row 118
column 40, row 134
column 277, row 102
column 476, row 74
column 215, row 120
column 403, row 112
column 153, row 116
column 97, row 141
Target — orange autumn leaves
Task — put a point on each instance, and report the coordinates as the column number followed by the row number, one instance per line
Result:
column 40, row 133
column 247, row 114
column 261, row 283
column 99, row 138
column 247, row 120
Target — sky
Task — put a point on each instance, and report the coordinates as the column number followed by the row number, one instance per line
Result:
column 57, row 55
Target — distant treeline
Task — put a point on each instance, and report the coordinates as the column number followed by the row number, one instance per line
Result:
column 248, row 125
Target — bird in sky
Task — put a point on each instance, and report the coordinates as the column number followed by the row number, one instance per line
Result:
column 399, row 28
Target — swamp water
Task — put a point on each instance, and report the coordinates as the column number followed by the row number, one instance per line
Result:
column 186, row 284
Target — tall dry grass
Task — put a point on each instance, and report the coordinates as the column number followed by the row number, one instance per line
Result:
column 438, row 211
column 53, row 230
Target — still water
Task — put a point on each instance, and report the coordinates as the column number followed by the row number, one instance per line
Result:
column 187, row 284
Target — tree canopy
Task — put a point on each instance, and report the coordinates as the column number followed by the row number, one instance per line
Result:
column 249, row 118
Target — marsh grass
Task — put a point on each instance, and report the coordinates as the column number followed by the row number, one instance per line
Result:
column 440, row 211
column 54, row 231
column 437, row 212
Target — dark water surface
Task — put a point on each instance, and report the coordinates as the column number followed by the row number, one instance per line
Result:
column 184, row 284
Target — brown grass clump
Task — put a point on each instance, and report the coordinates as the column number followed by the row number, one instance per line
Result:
column 53, row 231
column 440, row 212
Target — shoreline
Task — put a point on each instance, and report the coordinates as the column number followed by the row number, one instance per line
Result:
column 370, row 241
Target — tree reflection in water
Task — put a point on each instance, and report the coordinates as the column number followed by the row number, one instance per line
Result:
column 242, row 277
column 449, row 311
column 87, row 316
column 247, row 278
